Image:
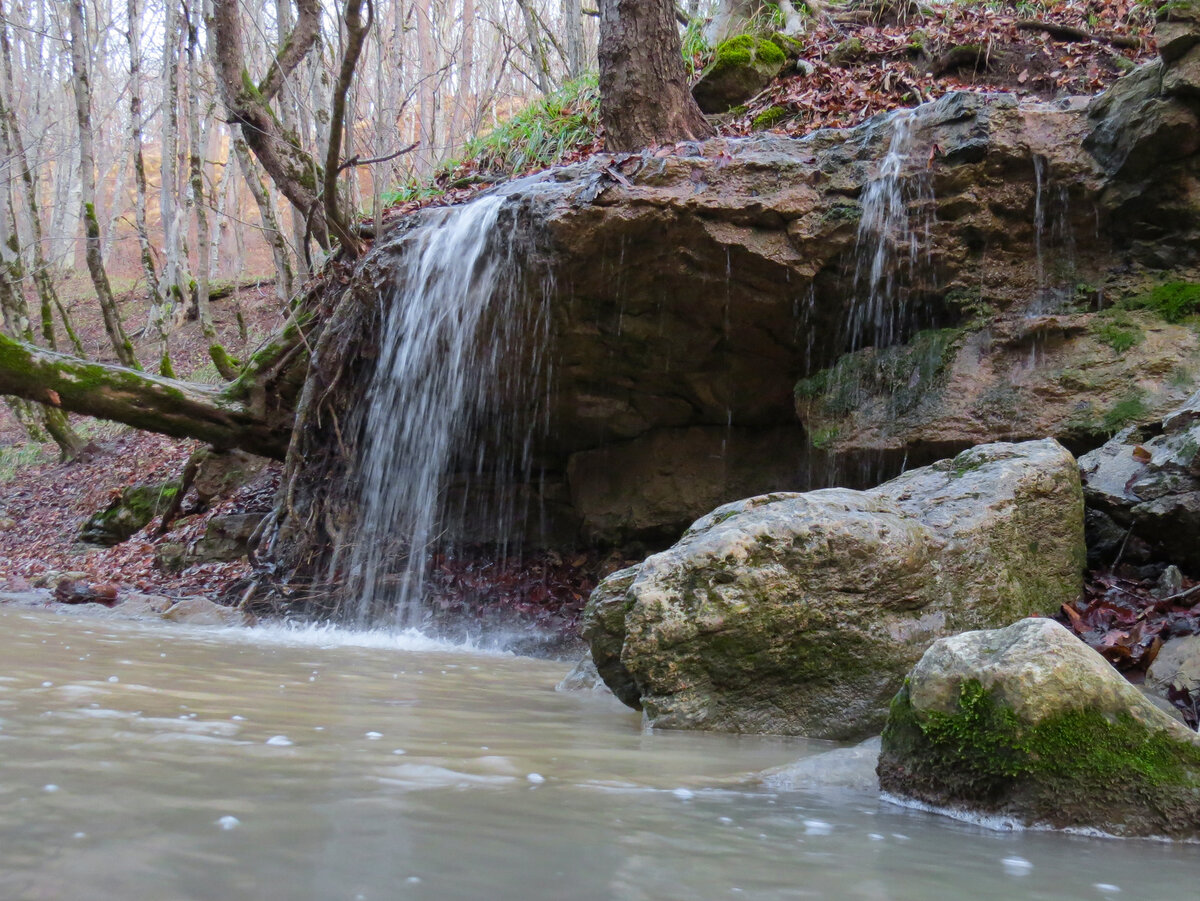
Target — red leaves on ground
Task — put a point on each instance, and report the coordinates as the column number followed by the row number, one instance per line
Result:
column 1127, row 619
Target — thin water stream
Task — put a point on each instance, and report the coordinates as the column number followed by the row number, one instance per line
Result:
column 161, row 763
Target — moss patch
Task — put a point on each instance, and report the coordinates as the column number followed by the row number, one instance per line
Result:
column 900, row 376
column 770, row 117
column 1078, row 767
column 745, row 50
column 1173, row 301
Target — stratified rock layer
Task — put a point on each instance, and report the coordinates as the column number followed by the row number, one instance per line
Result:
column 1030, row 724
column 801, row 613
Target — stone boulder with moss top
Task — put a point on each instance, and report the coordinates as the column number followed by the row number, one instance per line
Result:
column 1029, row 724
column 801, row 613
column 741, row 67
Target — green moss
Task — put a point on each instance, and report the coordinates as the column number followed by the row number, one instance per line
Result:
column 1116, row 329
column 902, row 376
column 165, row 369
column 967, row 461
column 1130, row 409
column 769, row 117
column 1173, row 301
column 822, row 437
column 983, row 752
column 745, row 50
column 848, row 51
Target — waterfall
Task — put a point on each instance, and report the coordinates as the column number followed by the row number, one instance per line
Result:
column 450, row 351
column 893, row 242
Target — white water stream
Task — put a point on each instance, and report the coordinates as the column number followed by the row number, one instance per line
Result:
column 167, row 763
column 450, row 348
column 894, row 236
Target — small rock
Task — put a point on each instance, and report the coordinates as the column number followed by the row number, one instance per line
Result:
column 78, row 591
column 1176, row 666
column 203, row 612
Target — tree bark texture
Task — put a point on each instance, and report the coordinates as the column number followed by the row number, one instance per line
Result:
column 291, row 168
column 644, row 94
column 143, row 401
column 87, row 166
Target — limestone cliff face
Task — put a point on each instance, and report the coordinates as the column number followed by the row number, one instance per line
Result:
column 695, row 301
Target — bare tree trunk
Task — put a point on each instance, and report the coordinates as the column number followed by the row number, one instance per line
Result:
column 291, row 168
column 38, row 420
column 427, row 131
column 197, row 194
column 87, row 179
column 266, row 210
column 572, row 11
column 466, row 69
column 644, row 95
column 14, row 149
column 356, row 32
column 165, row 307
column 289, row 113
column 537, row 48
column 133, row 14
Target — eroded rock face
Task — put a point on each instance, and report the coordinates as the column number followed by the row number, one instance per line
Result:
column 1029, row 723
column 687, row 295
column 1153, row 486
column 800, row 613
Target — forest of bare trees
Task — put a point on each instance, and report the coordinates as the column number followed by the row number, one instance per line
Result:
column 155, row 150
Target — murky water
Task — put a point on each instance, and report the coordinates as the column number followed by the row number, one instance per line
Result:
column 161, row 763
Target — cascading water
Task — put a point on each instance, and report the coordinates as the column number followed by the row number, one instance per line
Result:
column 453, row 328
column 893, row 242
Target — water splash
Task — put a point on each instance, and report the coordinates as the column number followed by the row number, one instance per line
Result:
column 459, row 337
column 893, row 242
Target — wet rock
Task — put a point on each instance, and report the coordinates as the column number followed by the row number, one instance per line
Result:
column 129, row 513
column 583, row 677
column 220, row 473
column 852, row 768
column 203, row 612
column 800, row 613
column 741, row 67
column 1177, row 667
column 1028, row 723
column 225, row 538
column 171, row 556
column 603, row 628
column 1177, row 29
column 80, row 591
column 1153, row 486
column 754, row 293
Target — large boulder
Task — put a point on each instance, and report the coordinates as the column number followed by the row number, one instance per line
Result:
column 1153, row 487
column 1029, row 724
column 801, row 613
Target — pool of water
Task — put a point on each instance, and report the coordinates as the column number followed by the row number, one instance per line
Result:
column 156, row 762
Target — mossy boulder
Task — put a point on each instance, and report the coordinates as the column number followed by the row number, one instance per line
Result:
column 1029, row 724
column 801, row 613
column 128, row 514
column 741, row 67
